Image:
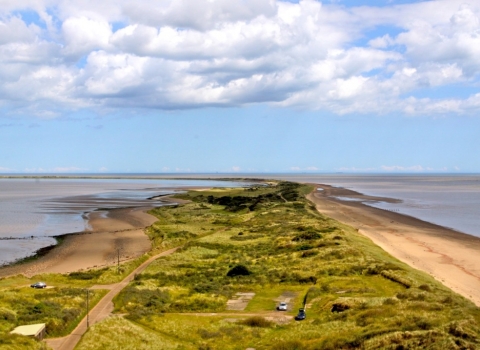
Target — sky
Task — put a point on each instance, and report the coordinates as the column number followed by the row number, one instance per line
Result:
column 244, row 86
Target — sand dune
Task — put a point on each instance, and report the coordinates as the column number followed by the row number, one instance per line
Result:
column 449, row 256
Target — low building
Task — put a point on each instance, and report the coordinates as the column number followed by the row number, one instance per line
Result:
column 36, row 331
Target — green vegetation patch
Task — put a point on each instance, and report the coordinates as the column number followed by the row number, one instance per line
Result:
column 59, row 308
column 118, row 333
column 356, row 295
column 268, row 241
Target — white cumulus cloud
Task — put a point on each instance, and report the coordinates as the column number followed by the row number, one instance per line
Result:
column 178, row 54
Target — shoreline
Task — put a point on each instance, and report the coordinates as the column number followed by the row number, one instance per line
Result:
column 448, row 255
column 116, row 227
column 110, row 231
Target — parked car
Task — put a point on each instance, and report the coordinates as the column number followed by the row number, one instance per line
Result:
column 283, row 306
column 39, row 285
column 301, row 315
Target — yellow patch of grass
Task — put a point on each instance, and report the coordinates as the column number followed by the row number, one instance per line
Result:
column 116, row 333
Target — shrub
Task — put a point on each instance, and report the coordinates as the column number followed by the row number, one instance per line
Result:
column 308, row 253
column 424, row 324
column 305, row 247
column 238, row 270
column 307, row 236
column 339, row 307
column 464, row 329
column 257, row 321
column 425, row 287
column 309, row 279
column 86, row 275
column 390, row 301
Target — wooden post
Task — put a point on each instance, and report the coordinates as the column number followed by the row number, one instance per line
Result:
column 88, row 320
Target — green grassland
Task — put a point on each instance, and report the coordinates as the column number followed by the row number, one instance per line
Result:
column 357, row 296
column 267, row 240
column 61, row 306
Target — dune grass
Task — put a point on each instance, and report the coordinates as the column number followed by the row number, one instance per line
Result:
column 59, row 308
column 63, row 304
column 356, row 295
column 128, row 335
column 287, row 246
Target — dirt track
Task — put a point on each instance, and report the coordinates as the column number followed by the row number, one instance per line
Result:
column 102, row 310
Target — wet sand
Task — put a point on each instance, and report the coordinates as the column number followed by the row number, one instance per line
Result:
column 116, row 231
column 449, row 256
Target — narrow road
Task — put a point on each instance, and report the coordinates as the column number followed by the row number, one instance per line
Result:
column 102, row 310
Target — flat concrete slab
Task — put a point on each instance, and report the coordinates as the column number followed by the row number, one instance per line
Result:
column 239, row 301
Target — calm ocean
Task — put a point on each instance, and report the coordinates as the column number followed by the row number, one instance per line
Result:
column 448, row 200
column 34, row 210
column 44, row 208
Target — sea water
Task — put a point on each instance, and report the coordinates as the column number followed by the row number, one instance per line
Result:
column 33, row 211
column 451, row 201
column 44, row 208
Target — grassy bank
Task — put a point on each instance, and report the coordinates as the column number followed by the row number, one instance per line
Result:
column 60, row 308
column 271, row 241
column 63, row 304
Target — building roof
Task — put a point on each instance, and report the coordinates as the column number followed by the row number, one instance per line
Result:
column 30, row 330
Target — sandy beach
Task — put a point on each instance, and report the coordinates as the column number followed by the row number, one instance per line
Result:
column 111, row 234
column 449, row 256
column 116, row 231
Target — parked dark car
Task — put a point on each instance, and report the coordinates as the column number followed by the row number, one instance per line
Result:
column 39, row 285
column 301, row 315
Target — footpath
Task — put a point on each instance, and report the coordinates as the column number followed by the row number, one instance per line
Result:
column 103, row 308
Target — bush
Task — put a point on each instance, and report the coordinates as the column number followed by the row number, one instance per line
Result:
column 238, row 270
column 425, row 287
column 307, row 236
column 340, row 307
column 305, row 247
column 257, row 321
column 86, row 275
column 308, row 253
column 309, row 279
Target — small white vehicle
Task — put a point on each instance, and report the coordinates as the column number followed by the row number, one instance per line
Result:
column 283, row 306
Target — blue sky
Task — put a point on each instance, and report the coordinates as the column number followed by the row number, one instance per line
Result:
column 252, row 86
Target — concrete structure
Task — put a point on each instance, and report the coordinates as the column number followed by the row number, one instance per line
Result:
column 36, row 331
